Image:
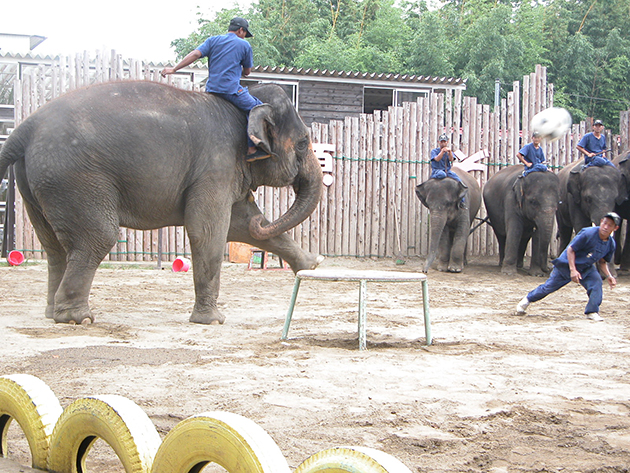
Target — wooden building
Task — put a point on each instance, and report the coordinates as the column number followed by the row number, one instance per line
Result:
column 321, row 95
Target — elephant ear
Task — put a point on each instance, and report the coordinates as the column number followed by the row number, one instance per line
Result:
column 421, row 192
column 259, row 126
column 517, row 188
column 573, row 186
column 462, row 191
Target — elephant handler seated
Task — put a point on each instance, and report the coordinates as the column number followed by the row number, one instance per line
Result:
column 577, row 263
column 229, row 58
column 593, row 145
column 441, row 159
column 532, row 156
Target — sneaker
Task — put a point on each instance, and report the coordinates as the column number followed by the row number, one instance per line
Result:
column 594, row 316
column 521, row 307
column 257, row 156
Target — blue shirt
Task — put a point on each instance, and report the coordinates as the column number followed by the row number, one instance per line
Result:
column 443, row 164
column 593, row 145
column 532, row 154
column 227, row 56
column 589, row 249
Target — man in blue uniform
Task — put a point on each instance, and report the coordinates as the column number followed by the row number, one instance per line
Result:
column 592, row 146
column 229, row 58
column 532, row 156
column 577, row 263
column 441, row 159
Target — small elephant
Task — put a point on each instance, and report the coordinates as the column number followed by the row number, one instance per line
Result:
column 450, row 220
column 586, row 195
column 521, row 209
column 145, row 155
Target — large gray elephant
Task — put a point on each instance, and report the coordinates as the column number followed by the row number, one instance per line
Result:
column 520, row 210
column 586, row 195
column 145, row 155
column 450, row 221
column 622, row 256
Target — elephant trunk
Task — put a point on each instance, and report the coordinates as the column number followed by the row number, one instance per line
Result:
column 308, row 188
column 438, row 222
column 542, row 239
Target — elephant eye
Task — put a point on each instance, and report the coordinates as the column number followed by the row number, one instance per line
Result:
column 302, row 145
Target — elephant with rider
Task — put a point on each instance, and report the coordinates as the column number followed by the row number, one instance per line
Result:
column 145, row 155
column 586, row 195
column 452, row 206
column 520, row 209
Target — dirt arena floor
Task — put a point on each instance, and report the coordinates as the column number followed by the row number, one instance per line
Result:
column 495, row 392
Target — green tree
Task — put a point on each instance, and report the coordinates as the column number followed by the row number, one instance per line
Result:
column 585, row 44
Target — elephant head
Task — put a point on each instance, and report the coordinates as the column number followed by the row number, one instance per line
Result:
column 276, row 128
column 596, row 190
column 537, row 196
column 442, row 197
column 623, row 163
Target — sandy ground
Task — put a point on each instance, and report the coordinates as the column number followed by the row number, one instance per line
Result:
column 495, row 392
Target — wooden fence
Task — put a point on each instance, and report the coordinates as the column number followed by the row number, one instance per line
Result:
column 370, row 210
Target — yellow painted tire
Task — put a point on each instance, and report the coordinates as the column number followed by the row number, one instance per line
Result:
column 236, row 443
column 352, row 460
column 115, row 419
column 35, row 407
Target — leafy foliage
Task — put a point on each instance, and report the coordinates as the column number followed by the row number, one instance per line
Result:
column 585, row 44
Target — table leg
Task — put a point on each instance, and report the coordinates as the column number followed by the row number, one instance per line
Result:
column 362, row 315
column 427, row 318
column 287, row 321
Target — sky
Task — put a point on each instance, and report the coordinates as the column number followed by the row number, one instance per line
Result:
column 138, row 29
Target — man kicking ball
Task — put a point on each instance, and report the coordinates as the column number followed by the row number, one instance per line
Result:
column 577, row 263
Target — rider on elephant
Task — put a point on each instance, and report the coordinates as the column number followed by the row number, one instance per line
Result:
column 592, row 146
column 229, row 58
column 532, row 156
column 441, row 159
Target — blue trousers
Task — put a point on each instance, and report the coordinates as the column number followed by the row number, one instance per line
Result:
column 439, row 174
column 243, row 100
column 560, row 277
column 540, row 167
column 597, row 161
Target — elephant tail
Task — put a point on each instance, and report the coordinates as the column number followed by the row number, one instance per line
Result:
column 13, row 149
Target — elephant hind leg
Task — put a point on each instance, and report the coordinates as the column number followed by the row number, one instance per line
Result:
column 55, row 254
column 87, row 232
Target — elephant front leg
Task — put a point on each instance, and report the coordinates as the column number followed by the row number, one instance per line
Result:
column 444, row 250
column 512, row 243
column 458, row 243
column 282, row 245
column 207, row 243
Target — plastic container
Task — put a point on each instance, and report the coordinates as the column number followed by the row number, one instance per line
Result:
column 15, row 258
column 181, row 265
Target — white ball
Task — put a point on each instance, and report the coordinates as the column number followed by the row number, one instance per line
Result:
column 552, row 123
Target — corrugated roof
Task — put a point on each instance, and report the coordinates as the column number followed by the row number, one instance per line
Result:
column 298, row 71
